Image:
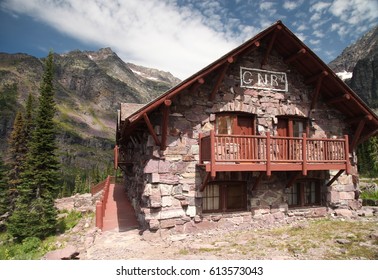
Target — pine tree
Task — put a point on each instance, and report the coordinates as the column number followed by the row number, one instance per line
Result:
column 17, row 149
column 35, row 213
column 3, row 188
column 29, row 117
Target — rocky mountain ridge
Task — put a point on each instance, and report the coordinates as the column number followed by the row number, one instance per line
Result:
column 89, row 86
column 357, row 65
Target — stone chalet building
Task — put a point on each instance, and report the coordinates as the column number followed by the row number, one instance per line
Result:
column 266, row 133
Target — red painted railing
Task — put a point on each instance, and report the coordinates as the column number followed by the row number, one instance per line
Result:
column 276, row 153
column 101, row 204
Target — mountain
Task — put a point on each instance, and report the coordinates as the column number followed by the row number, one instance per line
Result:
column 89, row 86
column 358, row 65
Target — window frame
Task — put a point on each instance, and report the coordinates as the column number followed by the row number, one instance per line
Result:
column 301, row 186
column 223, row 196
column 232, row 124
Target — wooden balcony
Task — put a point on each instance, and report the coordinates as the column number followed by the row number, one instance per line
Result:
column 272, row 153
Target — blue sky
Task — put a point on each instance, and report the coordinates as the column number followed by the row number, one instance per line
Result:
column 179, row 36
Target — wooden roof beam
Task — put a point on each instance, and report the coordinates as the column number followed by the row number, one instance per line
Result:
column 316, row 77
column 295, row 56
column 193, row 88
column 151, row 129
column 164, row 126
column 359, row 119
column 270, row 46
column 220, row 78
column 338, row 99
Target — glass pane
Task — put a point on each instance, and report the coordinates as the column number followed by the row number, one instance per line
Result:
column 211, row 198
column 293, row 195
column 298, row 128
column 235, row 197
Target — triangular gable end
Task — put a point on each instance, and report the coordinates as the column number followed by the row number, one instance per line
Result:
column 277, row 38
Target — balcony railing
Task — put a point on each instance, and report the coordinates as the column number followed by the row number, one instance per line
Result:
column 272, row 153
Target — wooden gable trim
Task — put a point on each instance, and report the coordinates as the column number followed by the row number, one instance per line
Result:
column 164, row 125
column 151, row 129
column 220, row 78
column 270, row 46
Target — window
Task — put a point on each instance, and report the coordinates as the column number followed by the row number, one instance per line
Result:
column 304, row 193
column 236, row 124
column 292, row 126
column 224, row 197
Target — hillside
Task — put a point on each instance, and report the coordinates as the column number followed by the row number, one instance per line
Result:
column 89, row 87
column 360, row 60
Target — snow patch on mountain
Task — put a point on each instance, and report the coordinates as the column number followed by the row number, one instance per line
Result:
column 344, row 75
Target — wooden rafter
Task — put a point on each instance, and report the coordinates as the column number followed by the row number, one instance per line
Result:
column 270, row 46
column 316, row 77
column 151, row 129
column 164, row 126
column 358, row 119
column 196, row 85
column 220, row 78
column 295, row 56
column 338, row 99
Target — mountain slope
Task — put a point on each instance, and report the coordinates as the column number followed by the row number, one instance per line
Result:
column 89, row 88
column 361, row 58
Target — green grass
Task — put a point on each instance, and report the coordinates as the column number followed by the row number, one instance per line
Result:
column 32, row 248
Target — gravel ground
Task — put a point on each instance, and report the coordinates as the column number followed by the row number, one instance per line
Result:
column 335, row 238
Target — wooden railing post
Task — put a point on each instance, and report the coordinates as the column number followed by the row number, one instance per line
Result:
column 200, row 148
column 99, row 217
column 268, row 153
column 212, row 154
column 304, row 154
column 347, row 161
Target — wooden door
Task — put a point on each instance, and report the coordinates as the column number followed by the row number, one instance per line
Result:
column 244, row 125
column 281, row 149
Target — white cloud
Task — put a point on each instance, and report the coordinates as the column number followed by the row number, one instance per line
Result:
column 151, row 33
column 319, row 6
column 291, row 5
column 355, row 11
column 266, row 6
column 314, row 42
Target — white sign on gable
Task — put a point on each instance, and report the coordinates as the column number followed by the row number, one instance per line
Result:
column 263, row 79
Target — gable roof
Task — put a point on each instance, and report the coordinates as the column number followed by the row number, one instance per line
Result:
column 294, row 52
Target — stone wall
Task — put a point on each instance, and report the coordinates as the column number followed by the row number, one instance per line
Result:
column 164, row 185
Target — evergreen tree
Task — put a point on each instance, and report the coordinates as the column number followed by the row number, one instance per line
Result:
column 17, row 149
column 29, row 117
column 367, row 154
column 35, row 213
column 3, row 188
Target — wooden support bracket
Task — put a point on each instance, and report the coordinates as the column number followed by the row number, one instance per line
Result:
column 205, row 181
column 151, row 129
column 316, row 77
column 164, row 125
column 335, row 177
column 338, row 99
column 357, row 134
column 220, row 78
